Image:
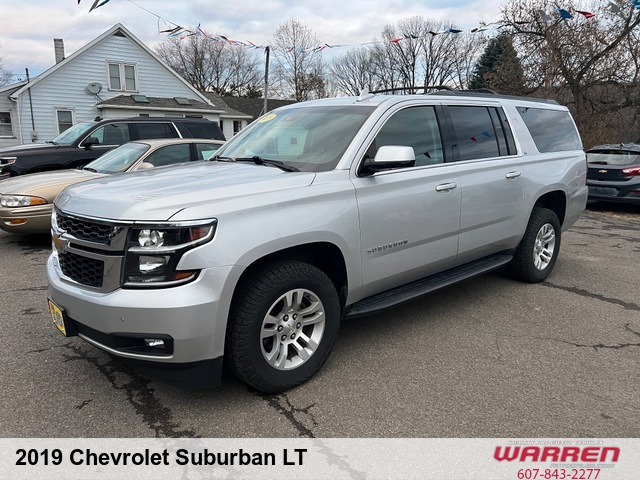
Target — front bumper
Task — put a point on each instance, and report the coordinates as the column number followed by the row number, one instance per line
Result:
column 36, row 219
column 187, row 317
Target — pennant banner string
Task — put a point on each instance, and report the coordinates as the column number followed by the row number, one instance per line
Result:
column 174, row 30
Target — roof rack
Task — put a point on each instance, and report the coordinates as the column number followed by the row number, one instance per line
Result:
column 445, row 90
column 413, row 89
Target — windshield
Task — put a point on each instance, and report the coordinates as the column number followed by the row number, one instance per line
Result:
column 311, row 139
column 73, row 133
column 614, row 157
column 118, row 159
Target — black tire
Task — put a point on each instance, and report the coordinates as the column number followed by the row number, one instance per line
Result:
column 265, row 292
column 528, row 264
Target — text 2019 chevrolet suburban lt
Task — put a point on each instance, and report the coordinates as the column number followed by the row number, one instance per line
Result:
column 318, row 211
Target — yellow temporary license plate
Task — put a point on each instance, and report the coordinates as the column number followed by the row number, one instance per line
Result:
column 57, row 317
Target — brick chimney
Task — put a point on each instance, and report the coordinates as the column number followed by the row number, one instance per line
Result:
column 58, row 47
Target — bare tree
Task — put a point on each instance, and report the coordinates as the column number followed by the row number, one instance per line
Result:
column 298, row 66
column 211, row 64
column 589, row 64
column 416, row 52
column 355, row 71
column 5, row 75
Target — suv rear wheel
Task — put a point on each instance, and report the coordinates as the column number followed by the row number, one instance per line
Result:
column 536, row 255
column 284, row 320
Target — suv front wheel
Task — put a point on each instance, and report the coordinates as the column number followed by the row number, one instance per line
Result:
column 536, row 255
column 284, row 320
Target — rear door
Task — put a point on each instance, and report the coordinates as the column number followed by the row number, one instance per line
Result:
column 491, row 180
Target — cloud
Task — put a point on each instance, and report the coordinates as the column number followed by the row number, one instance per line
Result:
column 27, row 41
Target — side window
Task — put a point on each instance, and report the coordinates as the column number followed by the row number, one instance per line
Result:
column 475, row 133
column 415, row 127
column 169, row 155
column 64, row 119
column 112, row 134
column 5, row 125
column 155, row 130
column 552, row 130
column 206, row 150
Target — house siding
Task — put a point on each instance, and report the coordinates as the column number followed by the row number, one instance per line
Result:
column 65, row 88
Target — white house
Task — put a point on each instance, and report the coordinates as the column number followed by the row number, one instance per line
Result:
column 115, row 75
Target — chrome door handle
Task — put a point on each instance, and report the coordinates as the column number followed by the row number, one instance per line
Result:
column 513, row 174
column 445, row 187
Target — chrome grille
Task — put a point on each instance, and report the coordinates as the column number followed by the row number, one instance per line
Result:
column 85, row 229
column 84, row 270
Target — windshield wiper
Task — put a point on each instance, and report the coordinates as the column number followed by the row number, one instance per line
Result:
column 266, row 161
column 218, row 158
column 90, row 169
column 52, row 142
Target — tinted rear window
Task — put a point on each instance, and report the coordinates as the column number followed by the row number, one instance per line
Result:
column 155, row 130
column 475, row 134
column 203, row 129
column 552, row 130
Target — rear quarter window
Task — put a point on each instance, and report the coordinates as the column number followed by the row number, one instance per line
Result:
column 154, row 130
column 200, row 130
column 552, row 130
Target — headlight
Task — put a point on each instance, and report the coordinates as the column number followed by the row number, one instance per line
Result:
column 10, row 201
column 7, row 160
column 154, row 251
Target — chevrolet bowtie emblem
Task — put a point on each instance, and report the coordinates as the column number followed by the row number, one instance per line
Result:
column 60, row 243
column 603, row 171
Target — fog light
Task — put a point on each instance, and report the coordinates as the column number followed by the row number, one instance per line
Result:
column 17, row 221
column 151, row 264
column 154, row 342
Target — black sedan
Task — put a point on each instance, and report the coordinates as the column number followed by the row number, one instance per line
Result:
column 614, row 173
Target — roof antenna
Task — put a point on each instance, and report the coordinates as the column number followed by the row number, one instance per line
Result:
column 364, row 95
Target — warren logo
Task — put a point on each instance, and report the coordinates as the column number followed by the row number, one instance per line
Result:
column 557, row 454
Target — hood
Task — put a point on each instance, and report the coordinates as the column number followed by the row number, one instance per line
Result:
column 158, row 194
column 28, row 184
column 29, row 147
column 46, row 184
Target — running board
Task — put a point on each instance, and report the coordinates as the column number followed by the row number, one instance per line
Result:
column 412, row 290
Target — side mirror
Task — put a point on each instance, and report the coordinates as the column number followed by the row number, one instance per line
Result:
column 145, row 166
column 90, row 142
column 389, row 157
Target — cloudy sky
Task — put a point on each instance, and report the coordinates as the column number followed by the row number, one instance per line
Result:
column 29, row 26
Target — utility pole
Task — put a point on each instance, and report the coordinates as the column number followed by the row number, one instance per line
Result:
column 33, row 123
column 266, row 78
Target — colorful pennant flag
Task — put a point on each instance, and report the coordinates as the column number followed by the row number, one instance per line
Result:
column 564, row 14
column 544, row 16
column 586, row 14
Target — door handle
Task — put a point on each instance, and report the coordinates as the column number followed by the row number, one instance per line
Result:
column 445, row 187
column 515, row 174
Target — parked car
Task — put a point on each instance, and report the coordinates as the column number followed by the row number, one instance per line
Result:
column 614, row 173
column 86, row 141
column 26, row 201
column 317, row 211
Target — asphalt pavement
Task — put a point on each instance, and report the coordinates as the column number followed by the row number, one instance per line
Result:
column 490, row 357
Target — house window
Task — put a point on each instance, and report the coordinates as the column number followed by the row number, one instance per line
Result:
column 122, row 77
column 64, row 119
column 237, row 126
column 5, row 125
column 222, row 125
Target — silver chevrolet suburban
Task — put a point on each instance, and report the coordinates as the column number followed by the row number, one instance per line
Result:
column 318, row 211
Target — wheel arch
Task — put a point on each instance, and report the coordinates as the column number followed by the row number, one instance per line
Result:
column 555, row 201
column 324, row 255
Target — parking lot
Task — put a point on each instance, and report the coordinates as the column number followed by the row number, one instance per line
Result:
column 490, row 357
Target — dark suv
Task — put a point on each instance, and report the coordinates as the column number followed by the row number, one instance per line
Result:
column 86, row 141
column 614, row 173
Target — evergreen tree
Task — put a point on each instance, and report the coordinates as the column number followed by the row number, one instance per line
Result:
column 499, row 68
